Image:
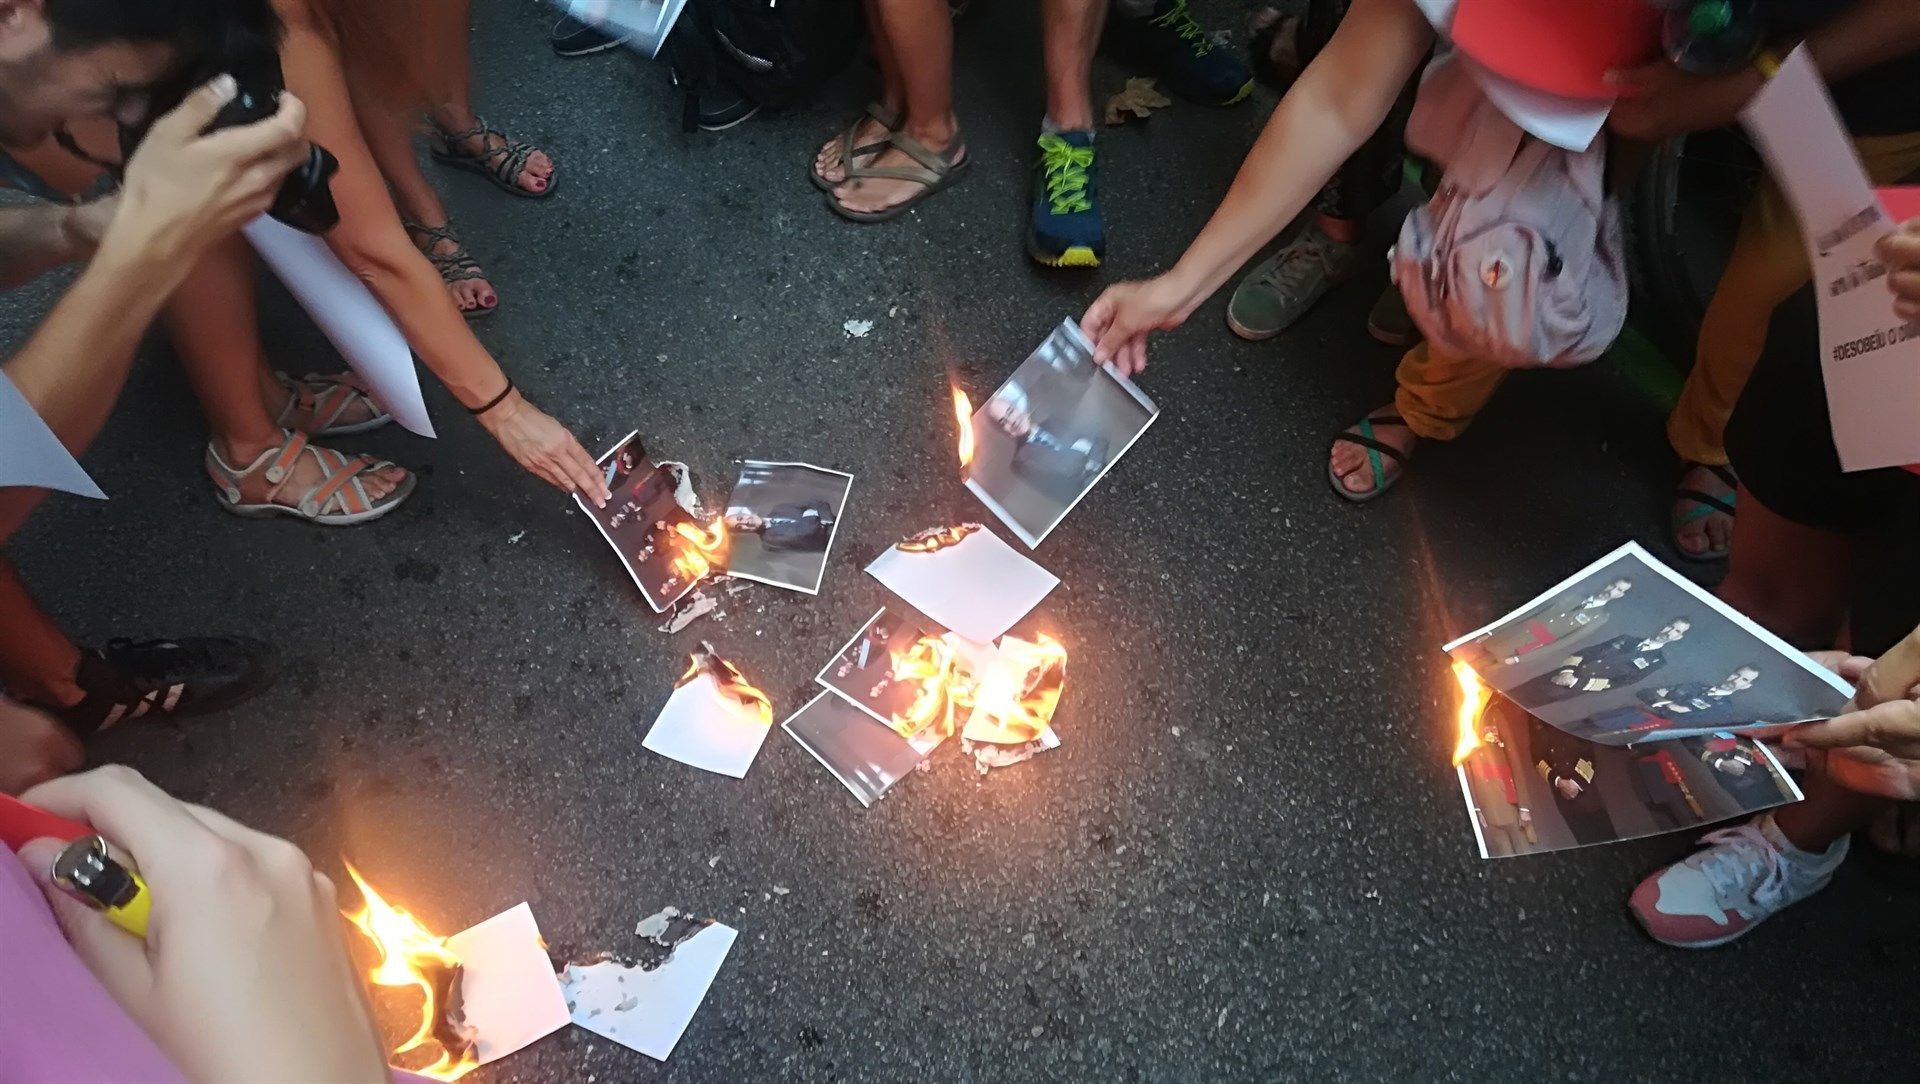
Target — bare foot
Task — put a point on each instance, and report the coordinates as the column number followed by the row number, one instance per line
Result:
column 871, row 195
column 301, row 480
column 1701, row 530
column 827, row 164
column 1354, row 467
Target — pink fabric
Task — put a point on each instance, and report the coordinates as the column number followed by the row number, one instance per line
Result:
column 57, row 1023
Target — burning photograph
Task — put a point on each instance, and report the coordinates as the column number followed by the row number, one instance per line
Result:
column 1052, row 431
column 1531, row 788
column 964, row 577
column 715, row 720
column 1627, row 651
column 863, row 672
column 866, row 756
column 664, row 549
column 780, row 521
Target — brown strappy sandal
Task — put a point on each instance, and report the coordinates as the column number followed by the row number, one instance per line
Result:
column 932, row 170
column 888, row 119
column 502, row 165
column 340, row 500
column 456, row 266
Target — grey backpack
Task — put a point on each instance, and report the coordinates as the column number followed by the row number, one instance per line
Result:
column 1518, row 259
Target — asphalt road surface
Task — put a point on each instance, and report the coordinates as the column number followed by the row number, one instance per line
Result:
column 1248, row 860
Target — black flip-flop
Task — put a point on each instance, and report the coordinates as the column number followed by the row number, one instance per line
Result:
column 1375, row 450
column 1705, row 504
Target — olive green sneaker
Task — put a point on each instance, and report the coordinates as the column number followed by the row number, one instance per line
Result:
column 1281, row 288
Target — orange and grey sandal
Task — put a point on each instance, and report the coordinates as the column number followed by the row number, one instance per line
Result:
column 341, row 500
column 316, row 403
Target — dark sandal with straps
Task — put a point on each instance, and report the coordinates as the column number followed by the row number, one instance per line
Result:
column 456, row 266
column 502, row 165
column 1704, row 505
column 888, row 121
column 1376, row 448
column 932, row 171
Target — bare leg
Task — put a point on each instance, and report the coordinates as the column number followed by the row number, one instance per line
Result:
column 919, row 36
column 389, row 137
column 447, row 31
column 1070, row 30
column 1829, row 812
column 1795, row 580
column 211, row 318
column 892, row 100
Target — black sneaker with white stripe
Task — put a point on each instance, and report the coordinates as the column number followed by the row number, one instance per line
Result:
column 194, row 675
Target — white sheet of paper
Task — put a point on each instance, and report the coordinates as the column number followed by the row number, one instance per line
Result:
column 348, row 314
column 704, row 727
column 648, row 1011
column 978, row 587
column 1870, row 357
column 30, row 455
column 511, row 995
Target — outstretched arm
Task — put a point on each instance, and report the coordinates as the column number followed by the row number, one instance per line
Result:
column 1337, row 103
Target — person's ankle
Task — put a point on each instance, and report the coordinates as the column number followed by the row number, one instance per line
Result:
column 1074, row 120
column 1344, row 230
column 937, row 134
column 240, row 451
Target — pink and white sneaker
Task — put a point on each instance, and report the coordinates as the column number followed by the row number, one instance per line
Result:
column 1742, row 877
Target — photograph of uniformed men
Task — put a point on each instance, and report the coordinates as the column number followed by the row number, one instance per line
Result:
column 638, row 521
column 1533, row 788
column 781, row 519
column 1628, row 652
column 1049, row 433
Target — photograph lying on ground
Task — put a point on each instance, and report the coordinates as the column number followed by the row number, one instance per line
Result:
column 1051, row 432
column 863, row 671
column 866, row 756
column 665, row 550
column 781, row 519
column 1530, row 788
column 1626, row 651
column 965, row 577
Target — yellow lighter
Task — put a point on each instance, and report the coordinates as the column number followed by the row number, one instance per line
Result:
column 86, row 870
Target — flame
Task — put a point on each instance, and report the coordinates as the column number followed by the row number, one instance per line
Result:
column 1473, row 701
column 411, row 955
column 927, row 663
column 936, row 538
column 1011, row 701
column 1015, row 699
column 963, row 410
column 703, row 549
column 728, row 679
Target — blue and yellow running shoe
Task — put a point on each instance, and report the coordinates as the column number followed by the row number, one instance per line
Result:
column 1179, row 51
column 1065, row 228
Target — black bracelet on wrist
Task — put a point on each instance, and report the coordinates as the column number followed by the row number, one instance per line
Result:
column 476, row 411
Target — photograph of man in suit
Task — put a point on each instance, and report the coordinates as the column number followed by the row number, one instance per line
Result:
column 1058, row 464
column 795, row 525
